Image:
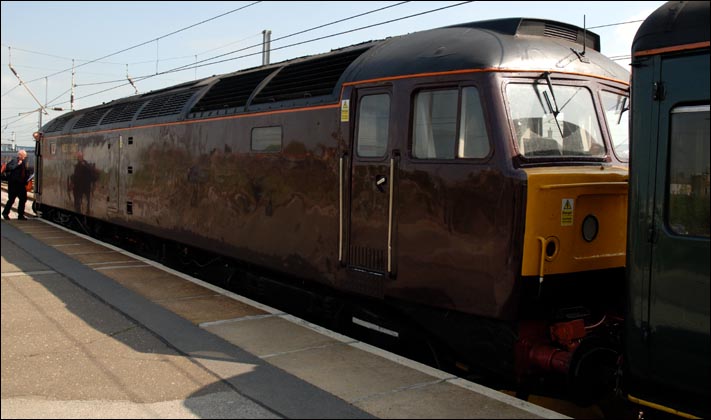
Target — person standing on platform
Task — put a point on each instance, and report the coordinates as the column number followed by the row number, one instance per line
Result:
column 17, row 176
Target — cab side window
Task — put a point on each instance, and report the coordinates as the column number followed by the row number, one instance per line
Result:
column 449, row 124
column 473, row 140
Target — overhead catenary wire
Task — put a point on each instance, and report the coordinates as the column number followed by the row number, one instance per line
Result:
column 198, row 64
column 191, row 67
column 194, row 65
column 148, row 42
column 211, row 60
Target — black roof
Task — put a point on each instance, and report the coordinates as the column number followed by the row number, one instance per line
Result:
column 502, row 44
column 674, row 23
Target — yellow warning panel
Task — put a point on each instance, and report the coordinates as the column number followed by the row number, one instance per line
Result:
column 345, row 109
column 567, row 208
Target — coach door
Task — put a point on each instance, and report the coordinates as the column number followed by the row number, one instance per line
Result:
column 372, row 185
column 679, row 261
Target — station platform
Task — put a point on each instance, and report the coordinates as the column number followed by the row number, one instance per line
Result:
column 92, row 331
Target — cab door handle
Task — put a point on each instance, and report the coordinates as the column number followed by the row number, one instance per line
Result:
column 380, row 182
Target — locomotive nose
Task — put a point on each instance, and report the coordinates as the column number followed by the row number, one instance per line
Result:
column 575, row 220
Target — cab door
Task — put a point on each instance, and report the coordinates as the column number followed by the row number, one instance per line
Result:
column 369, row 248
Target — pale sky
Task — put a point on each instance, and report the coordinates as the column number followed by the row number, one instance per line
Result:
column 40, row 39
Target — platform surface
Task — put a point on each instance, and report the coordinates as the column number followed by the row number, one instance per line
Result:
column 92, row 331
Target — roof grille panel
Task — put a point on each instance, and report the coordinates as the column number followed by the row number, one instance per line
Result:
column 58, row 123
column 555, row 31
column 231, row 92
column 317, row 77
column 550, row 29
column 122, row 113
column 169, row 88
column 90, row 119
column 165, row 105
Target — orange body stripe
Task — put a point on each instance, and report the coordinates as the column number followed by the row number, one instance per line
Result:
column 490, row 70
column 284, row 111
column 674, row 48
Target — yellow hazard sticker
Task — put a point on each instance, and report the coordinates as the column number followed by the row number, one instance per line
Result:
column 345, row 109
column 566, row 212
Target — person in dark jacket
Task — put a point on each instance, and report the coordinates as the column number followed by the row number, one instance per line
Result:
column 17, row 176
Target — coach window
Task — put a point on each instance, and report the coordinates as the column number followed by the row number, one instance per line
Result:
column 266, row 139
column 688, row 188
column 373, row 120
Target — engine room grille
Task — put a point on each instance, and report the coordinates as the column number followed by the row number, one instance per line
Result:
column 165, row 105
column 231, row 92
column 122, row 113
column 310, row 78
column 91, row 118
column 58, row 123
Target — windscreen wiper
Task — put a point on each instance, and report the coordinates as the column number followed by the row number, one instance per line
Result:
column 555, row 111
column 624, row 108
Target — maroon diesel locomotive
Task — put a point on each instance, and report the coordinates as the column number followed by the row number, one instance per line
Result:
column 470, row 179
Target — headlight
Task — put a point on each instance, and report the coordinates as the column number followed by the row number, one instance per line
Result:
column 590, row 227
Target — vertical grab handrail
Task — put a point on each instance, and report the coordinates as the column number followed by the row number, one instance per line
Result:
column 390, row 215
column 340, row 209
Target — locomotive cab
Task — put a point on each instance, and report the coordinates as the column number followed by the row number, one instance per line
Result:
column 574, row 239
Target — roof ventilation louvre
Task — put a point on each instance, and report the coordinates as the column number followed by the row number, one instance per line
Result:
column 169, row 88
column 309, row 78
column 58, row 123
column 231, row 92
column 165, row 105
column 559, row 30
column 122, row 113
column 556, row 31
column 91, row 118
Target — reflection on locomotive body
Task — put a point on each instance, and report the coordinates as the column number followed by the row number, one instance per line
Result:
column 81, row 183
column 441, row 179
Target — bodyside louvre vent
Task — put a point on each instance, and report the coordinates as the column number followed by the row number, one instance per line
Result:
column 368, row 258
